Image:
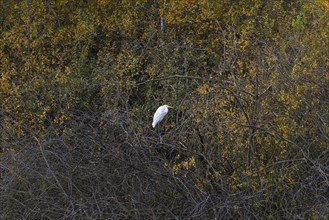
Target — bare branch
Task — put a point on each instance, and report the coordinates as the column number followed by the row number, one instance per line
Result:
column 181, row 77
column 49, row 168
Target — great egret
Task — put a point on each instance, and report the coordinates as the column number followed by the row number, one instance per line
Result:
column 159, row 114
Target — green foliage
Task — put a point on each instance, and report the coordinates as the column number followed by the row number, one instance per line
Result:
column 247, row 138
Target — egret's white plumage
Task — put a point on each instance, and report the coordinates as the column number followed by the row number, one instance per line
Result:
column 159, row 114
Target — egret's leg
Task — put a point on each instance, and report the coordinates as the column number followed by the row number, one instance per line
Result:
column 159, row 133
column 160, row 139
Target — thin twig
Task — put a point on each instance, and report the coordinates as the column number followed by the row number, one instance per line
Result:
column 181, row 77
column 46, row 161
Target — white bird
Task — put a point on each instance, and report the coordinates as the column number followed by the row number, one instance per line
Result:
column 159, row 114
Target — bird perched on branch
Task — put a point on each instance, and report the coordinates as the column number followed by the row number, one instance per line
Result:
column 159, row 114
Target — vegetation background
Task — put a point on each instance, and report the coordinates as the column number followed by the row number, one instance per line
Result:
column 81, row 80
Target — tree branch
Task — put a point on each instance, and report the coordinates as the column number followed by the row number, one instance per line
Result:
column 181, row 77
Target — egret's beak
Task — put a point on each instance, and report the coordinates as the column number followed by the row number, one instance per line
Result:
column 170, row 106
